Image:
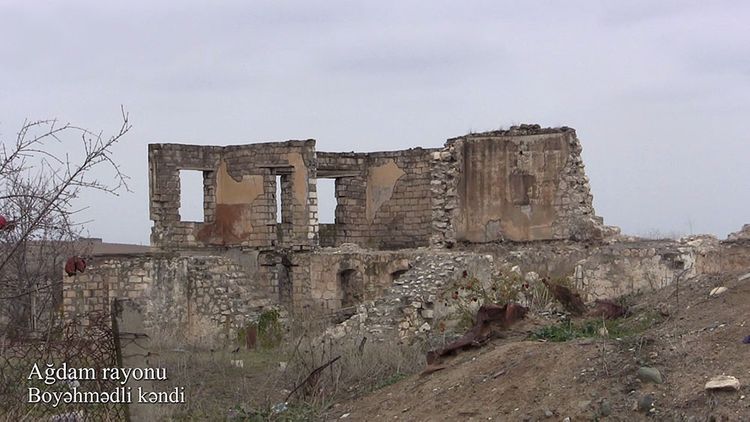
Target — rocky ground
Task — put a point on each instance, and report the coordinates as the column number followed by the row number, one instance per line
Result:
column 653, row 365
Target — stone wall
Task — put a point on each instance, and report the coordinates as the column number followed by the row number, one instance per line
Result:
column 607, row 270
column 239, row 195
column 412, row 305
column 345, row 277
column 522, row 184
column 202, row 295
column 383, row 198
column 187, row 296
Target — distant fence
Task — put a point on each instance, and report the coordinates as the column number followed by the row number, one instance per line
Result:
column 61, row 378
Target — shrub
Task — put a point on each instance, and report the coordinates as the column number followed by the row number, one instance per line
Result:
column 617, row 328
column 270, row 331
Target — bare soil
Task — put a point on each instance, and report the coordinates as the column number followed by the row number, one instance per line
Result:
column 517, row 378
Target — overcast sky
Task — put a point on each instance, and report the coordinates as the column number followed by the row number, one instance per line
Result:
column 657, row 91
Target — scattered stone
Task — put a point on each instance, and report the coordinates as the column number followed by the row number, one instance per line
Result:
column 647, row 374
column 663, row 309
column 723, row 382
column 645, row 403
column 531, row 277
column 345, row 415
column 717, row 291
column 700, row 240
column 605, row 408
column 237, row 362
column 603, row 332
column 498, row 373
column 280, row 407
column 743, row 234
column 744, row 277
column 746, row 340
column 548, row 413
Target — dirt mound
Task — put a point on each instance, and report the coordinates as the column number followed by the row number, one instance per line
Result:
column 679, row 337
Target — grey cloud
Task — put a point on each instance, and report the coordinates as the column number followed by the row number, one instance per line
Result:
column 656, row 90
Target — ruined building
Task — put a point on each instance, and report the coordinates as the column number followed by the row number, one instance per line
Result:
column 523, row 184
column 480, row 195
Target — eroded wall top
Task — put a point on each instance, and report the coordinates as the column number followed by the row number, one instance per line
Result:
column 523, row 184
column 239, row 195
column 383, row 198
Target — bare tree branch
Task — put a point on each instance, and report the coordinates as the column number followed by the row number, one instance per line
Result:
column 38, row 189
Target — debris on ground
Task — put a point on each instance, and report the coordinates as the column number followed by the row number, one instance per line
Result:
column 645, row 403
column 569, row 299
column 717, row 291
column 647, row 374
column 490, row 320
column 723, row 382
column 515, row 372
column 608, row 309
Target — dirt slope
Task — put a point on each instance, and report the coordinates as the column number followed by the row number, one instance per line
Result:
column 516, row 378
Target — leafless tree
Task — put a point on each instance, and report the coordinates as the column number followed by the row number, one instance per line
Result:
column 38, row 198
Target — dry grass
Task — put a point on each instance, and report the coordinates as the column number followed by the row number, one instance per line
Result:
column 359, row 368
column 275, row 383
column 467, row 294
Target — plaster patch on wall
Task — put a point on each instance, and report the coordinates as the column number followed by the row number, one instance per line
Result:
column 233, row 192
column 299, row 177
column 381, row 181
column 233, row 214
column 506, row 186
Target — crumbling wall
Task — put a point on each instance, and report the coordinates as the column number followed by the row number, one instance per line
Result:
column 412, row 304
column 728, row 256
column 239, row 195
column 383, row 198
column 620, row 269
column 190, row 296
column 606, row 270
column 523, row 184
column 347, row 277
column 610, row 270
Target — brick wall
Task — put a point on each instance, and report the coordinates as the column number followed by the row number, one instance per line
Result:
column 383, row 198
column 522, row 184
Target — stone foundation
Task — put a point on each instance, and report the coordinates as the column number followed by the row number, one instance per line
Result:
column 188, row 296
